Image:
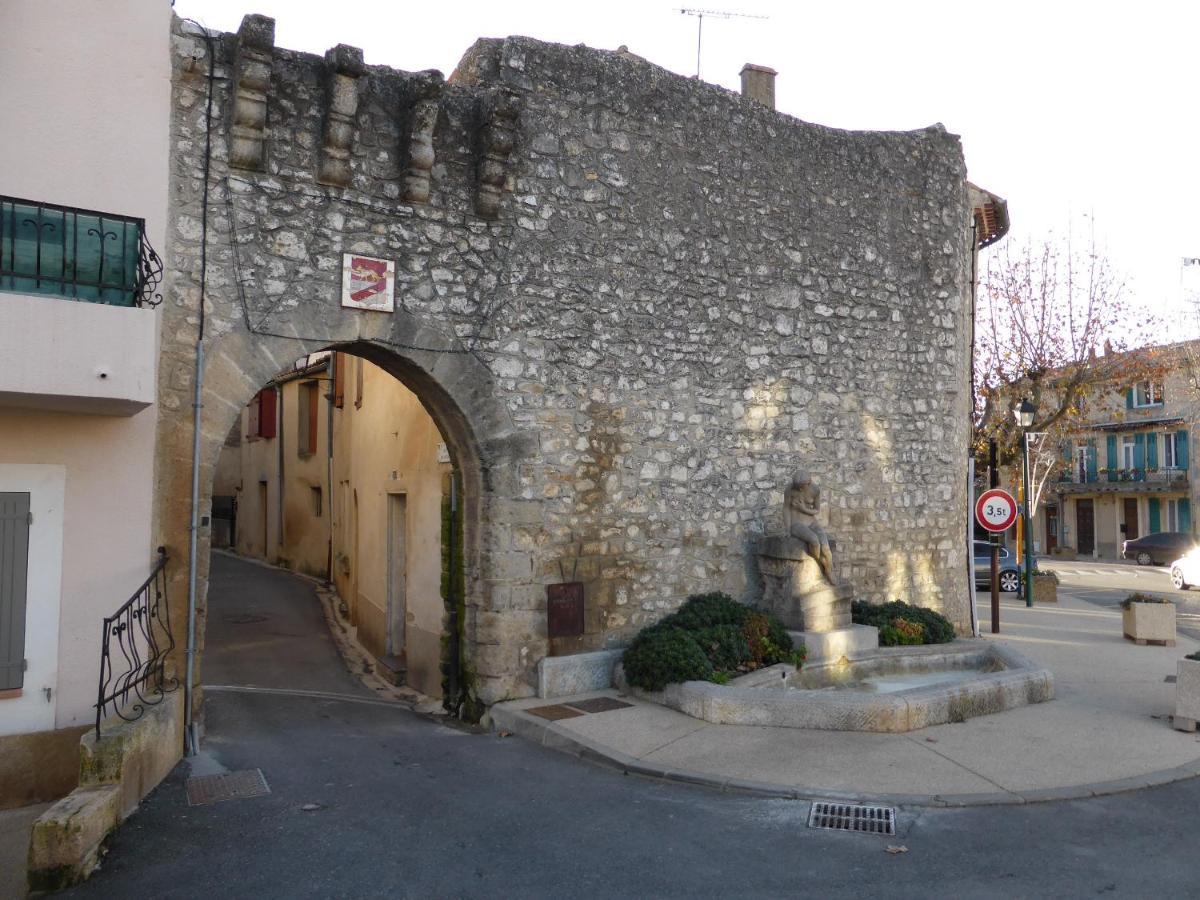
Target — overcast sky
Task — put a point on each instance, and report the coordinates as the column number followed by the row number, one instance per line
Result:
column 1065, row 109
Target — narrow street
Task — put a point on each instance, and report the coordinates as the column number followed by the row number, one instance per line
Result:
column 368, row 799
column 1108, row 583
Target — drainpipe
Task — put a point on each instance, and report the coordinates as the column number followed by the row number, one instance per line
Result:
column 192, row 743
column 279, row 452
column 191, row 740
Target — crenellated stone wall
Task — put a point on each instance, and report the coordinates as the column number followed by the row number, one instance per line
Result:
column 634, row 303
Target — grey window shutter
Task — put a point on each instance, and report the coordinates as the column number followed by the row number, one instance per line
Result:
column 14, row 580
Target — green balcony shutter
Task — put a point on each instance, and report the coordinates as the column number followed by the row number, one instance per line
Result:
column 14, row 582
column 1152, row 450
column 1155, row 517
column 1091, row 460
column 1181, row 449
column 1139, row 451
column 1185, row 516
column 1129, row 399
column 1111, row 452
column 1065, row 449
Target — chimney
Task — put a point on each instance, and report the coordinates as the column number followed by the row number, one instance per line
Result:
column 758, row 83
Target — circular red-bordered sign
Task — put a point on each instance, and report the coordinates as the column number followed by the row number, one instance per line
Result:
column 996, row 510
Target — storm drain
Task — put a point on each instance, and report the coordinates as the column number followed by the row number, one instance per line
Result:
column 848, row 817
column 205, row 789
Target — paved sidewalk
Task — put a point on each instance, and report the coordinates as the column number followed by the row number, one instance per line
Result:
column 1108, row 730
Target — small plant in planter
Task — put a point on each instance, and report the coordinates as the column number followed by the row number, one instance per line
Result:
column 1187, row 693
column 1148, row 618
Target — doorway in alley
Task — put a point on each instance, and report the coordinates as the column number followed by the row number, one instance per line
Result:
column 1085, row 527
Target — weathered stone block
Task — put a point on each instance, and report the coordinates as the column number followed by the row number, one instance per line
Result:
column 1144, row 622
column 579, row 673
column 64, row 846
column 1187, row 694
column 850, row 643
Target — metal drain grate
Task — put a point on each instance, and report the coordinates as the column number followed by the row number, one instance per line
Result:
column 848, row 817
column 228, row 786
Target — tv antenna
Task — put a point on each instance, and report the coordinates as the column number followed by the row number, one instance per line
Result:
column 716, row 14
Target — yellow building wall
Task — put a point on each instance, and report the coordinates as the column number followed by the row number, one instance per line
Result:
column 388, row 447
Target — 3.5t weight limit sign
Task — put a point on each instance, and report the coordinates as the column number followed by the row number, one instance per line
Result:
column 996, row 510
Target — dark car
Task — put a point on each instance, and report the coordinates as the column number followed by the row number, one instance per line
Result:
column 1010, row 569
column 1159, row 549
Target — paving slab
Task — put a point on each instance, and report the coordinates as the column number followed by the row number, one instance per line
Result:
column 1107, row 730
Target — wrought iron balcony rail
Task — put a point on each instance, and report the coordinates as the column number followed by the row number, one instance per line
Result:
column 135, row 645
column 80, row 254
column 1169, row 475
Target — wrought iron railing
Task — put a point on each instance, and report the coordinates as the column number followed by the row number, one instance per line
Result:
column 81, row 254
column 135, row 645
column 1170, row 475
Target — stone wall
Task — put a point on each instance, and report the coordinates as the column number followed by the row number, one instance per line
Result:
column 634, row 304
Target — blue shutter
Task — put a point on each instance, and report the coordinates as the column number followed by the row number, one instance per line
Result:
column 1091, row 461
column 1181, row 449
column 1111, row 454
column 1185, row 516
column 1129, row 399
column 1152, row 450
column 1155, row 518
column 1065, row 448
column 1139, row 456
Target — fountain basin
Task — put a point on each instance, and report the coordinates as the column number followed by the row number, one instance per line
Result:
column 895, row 689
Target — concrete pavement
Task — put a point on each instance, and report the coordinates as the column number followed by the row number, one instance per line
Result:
column 1108, row 730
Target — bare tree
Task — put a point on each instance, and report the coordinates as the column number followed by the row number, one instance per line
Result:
column 1053, row 325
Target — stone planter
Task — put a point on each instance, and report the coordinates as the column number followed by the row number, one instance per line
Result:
column 1187, row 695
column 1045, row 589
column 1149, row 623
column 1064, row 553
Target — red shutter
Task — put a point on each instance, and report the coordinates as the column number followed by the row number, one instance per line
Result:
column 266, row 414
column 339, row 380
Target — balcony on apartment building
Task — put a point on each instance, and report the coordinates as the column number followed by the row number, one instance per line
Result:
column 77, row 331
column 1122, row 481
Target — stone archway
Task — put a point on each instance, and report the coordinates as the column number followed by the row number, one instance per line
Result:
column 479, row 436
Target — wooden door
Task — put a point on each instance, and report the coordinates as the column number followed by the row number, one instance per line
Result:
column 1085, row 527
column 1051, row 528
column 1131, row 518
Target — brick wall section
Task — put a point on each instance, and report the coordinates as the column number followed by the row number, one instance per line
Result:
column 684, row 297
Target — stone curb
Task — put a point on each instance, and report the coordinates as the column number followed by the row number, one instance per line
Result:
column 553, row 736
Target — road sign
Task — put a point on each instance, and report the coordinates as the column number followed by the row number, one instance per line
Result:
column 996, row 510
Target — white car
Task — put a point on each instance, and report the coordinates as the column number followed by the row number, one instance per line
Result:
column 1185, row 571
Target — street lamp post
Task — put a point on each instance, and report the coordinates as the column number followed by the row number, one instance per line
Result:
column 1024, row 412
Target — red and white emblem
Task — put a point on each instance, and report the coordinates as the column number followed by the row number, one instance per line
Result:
column 368, row 283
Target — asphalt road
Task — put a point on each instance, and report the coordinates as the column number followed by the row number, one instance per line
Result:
column 368, row 800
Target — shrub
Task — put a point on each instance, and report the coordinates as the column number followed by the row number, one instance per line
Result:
column 901, row 632
column 1194, row 656
column 725, row 646
column 935, row 628
column 712, row 637
column 707, row 611
column 1139, row 597
column 661, row 656
column 766, row 638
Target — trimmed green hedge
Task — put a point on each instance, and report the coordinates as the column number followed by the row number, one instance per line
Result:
column 902, row 623
column 711, row 637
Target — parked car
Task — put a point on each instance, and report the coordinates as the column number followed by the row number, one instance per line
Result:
column 1185, row 571
column 1010, row 569
column 1159, row 549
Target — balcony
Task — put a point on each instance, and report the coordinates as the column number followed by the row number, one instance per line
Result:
column 77, row 254
column 1112, row 481
column 76, row 330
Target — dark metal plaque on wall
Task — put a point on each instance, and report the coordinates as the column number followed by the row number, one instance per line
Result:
column 564, row 609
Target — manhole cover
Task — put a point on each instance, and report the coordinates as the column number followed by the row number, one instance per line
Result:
column 229, row 786
column 1170, row 679
column 246, row 619
column 599, row 704
column 556, row 711
column 850, row 817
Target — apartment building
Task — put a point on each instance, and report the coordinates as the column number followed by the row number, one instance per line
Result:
column 83, row 219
